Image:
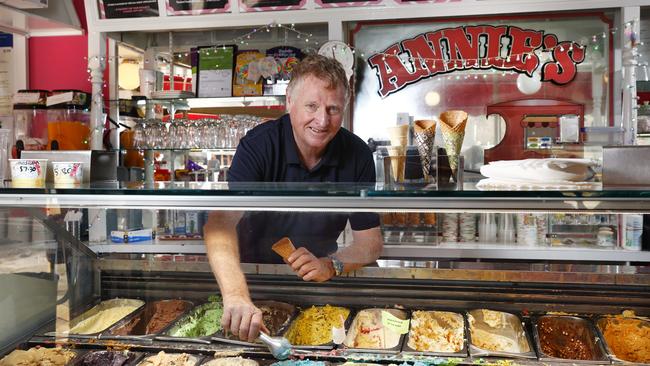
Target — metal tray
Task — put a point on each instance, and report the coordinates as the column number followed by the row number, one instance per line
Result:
column 207, row 359
column 221, row 336
column 572, row 321
column 514, row 329
column 165, row 334
column 395, row 349
column 197, row 358
column 106, row 304
column 327, row 346
column 463, row 352
column 132, row 357
column 145, row 313
column 600, row 322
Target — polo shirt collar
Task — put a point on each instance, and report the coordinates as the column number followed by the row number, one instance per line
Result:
column 330, row 158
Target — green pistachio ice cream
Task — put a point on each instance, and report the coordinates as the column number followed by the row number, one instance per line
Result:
column 203, row 321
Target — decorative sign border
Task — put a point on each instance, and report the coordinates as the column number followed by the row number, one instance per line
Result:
column 212, row 7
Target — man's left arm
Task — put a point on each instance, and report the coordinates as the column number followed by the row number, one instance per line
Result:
column 366, row 247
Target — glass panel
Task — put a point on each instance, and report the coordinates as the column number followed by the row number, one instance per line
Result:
column 379, row 98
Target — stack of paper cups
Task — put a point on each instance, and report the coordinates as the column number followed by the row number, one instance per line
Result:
column 397, row 158
column 397, row 151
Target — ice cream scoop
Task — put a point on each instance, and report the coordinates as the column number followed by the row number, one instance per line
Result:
column 279, row 346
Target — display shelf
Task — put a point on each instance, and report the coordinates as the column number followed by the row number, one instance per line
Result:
column 324, row 197
column 194, row 102
column 422, row 251
column 514, row 252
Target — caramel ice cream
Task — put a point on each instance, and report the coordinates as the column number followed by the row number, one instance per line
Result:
column 38, row 356
column 627, row 338
column 231, row 361
column 169, row 359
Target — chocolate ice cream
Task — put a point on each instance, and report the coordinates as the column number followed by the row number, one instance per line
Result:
column 104, row 358
column 567, row 337
column 276, row 316
column 153, row 318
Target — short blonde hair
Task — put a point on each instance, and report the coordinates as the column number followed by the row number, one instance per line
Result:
column 321, row 67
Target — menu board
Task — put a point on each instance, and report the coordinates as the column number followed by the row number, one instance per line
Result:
column 346, row 3
column 197, row 7
column 215, row 71
column 109, row 9
column 271, row 5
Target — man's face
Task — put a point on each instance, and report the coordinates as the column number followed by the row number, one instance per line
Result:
column 316, row 114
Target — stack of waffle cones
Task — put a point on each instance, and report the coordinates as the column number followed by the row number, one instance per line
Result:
column 284, row 247
column 425, row 134
column 452, row 125
column 397, row 150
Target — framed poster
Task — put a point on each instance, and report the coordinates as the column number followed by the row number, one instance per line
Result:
column 215, row 71
column 271, row 5
column 197, row 7
column 110, row 9
column 346, row 3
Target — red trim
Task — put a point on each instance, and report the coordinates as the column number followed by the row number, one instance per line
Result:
column 598, row 14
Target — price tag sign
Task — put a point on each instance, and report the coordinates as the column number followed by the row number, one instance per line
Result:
column 394, row 323
column 26, row 98
column 59, row 98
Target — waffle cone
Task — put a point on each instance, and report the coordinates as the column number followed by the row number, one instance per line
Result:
column 454, row 119
column 452, row 126
column 425, row 135
column 284, row 247
column 424, row 125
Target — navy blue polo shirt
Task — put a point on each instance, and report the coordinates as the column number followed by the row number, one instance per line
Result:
column 268, row 153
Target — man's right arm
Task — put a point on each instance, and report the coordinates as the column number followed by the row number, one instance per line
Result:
column 241, row 317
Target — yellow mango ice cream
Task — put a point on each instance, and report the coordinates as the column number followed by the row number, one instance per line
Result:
column 313, row 327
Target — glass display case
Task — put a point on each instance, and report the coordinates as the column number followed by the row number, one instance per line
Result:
column 72, row 256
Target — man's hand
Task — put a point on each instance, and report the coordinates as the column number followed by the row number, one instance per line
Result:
column 310, row 268
column 241, row 317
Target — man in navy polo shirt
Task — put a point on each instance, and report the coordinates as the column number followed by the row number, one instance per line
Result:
column 306, row 145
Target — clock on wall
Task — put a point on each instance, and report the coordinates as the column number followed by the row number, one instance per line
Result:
column 341, row 52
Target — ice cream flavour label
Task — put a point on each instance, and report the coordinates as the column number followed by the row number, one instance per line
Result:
column 475, row 47
column 394, row 323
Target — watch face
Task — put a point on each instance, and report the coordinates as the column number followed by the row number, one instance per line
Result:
column 340, row 52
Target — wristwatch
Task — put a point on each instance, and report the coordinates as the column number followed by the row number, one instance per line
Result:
column 338, row 266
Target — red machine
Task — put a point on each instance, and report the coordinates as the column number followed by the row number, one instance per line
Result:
column 538, row 128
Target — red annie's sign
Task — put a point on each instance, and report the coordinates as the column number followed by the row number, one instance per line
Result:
column 474, row 47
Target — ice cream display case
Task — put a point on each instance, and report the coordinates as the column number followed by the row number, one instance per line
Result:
column 75, row 297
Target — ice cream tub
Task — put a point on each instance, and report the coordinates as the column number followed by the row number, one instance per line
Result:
column 103, row 358
column 42, row 355
column 311, row 329
column 67, row 173
column 100, row 317
column 163, row 358
column 497, row 333
column 152, row 319
column 277, row 317
column 377, row 330
column 567, row 339
column 436, row 333
column 198, row 325
column 28, row 173
column 626, row 338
